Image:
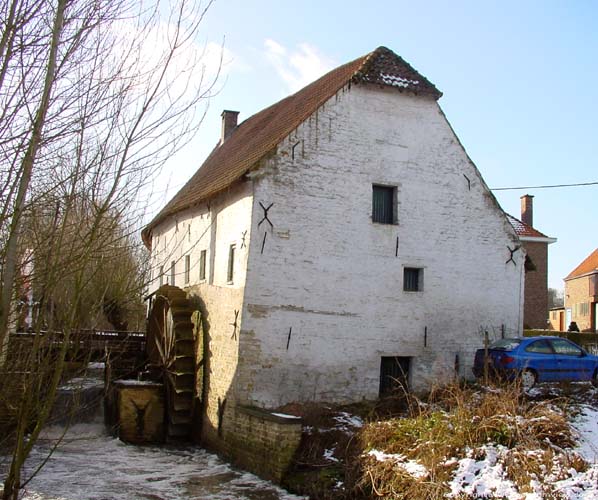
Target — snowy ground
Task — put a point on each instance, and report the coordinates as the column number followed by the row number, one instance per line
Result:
column 90, row 465
column 486, row 477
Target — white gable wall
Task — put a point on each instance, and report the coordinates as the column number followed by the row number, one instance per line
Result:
column 332, row 277
column 214, row 226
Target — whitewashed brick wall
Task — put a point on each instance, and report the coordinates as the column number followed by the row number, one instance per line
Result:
column 329, row 275
column 332, row 277
column 213, row 227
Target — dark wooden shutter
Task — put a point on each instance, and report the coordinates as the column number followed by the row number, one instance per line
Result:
column 382, row 204
column 411, row 279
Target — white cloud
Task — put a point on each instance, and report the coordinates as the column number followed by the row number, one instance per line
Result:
column 297, row 67
column 194, row 66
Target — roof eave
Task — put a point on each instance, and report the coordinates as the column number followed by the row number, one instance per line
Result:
column 538, row 239
column 582, row 275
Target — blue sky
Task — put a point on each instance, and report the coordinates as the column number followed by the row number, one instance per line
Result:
column 518, row 80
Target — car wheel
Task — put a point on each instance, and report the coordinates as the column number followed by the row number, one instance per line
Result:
column 595, row 378
column 528, row 379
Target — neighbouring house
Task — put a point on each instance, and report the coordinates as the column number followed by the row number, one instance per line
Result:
column 557, row 319
column 535, row 243
column 336, row 242
column 581, row 294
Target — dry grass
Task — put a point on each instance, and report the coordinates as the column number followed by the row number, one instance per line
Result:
column 455, row 422
column 434, row 432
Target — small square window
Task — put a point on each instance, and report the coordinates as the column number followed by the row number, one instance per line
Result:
column 383, row 204
column 202, row 265
column 413, row 279
column 187, row 268
column 231, row 264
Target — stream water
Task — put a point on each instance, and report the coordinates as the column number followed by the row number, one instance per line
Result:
column 89, row 464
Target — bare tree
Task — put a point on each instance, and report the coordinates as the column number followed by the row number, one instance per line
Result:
column 555, row 298
column 94, row 96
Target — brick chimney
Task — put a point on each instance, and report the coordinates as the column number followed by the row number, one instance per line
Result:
column 527, row 209
column 229, row 123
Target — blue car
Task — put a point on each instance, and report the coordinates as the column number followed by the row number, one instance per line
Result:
column 537, row 359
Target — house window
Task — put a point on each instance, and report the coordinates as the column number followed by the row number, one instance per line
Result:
column 581, row 309
column 383, row 203
column 172, row 272
column 161, row 275
column 202, row 265
column 231, row 264
column 413, row 279
column 187, row 268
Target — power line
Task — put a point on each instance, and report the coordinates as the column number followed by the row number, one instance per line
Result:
column 546, row 187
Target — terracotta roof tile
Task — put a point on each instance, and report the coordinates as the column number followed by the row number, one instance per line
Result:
column 587, row 266
column 261, row 133
column 523, row 229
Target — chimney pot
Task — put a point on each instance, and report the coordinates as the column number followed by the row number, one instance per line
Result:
column 527, row 209
column 229, row 123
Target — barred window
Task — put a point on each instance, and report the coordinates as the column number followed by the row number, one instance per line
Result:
column 187, row 268
column 383, row 203
column 202, row 265
column 413, row 279
column 231, row 263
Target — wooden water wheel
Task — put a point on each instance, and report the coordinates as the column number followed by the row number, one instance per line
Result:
column 170, row 350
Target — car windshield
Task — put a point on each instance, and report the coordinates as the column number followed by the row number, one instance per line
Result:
column 505, row 344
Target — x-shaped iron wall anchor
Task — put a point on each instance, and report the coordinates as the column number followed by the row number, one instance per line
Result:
column 512, row 250
column 243, row 244
column 265, row 218
column 235, row 325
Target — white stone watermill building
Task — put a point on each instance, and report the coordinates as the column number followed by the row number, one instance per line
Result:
column 334, row 239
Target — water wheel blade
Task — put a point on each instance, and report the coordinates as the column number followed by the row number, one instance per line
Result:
column 171, row 349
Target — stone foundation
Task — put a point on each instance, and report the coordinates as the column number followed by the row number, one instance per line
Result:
column 258, row 441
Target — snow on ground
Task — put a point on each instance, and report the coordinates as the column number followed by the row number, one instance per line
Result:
column 586, row 425
column 485, row 477
column 412, row 467
column 91, row 465
column 347, row 422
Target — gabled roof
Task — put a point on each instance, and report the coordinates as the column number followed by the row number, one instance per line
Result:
column 524, row 230
column 589, row 265
column 254, row 138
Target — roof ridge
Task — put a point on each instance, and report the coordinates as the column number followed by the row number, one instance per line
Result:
column 367, row 62
column 257, row 135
